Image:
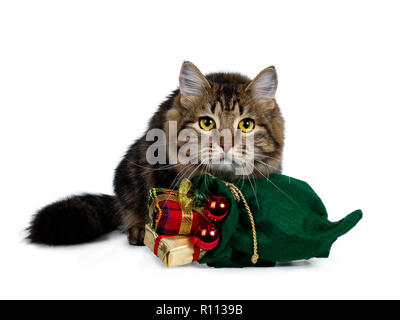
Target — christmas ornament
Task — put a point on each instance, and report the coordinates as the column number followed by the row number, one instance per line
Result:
column 208, row 237
column 217, row 207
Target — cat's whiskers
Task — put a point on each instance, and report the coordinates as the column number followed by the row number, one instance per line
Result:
column 181, row 174
column 194, row 171
column 280, row 190
column 250, row 177
column 262, row 155
column 163, row 166
column 266, row 164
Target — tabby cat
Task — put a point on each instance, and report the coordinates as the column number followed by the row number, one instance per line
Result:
column 217, row 101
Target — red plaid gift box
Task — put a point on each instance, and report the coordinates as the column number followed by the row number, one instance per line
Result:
column 169, row 218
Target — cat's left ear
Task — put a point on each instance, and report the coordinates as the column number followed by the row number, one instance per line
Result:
column 264, row 85
column 192, row 83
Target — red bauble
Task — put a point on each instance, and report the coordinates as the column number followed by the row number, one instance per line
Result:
column 216, row 208
column 208, row 237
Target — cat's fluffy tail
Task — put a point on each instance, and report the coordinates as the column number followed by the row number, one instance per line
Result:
column 76, row 219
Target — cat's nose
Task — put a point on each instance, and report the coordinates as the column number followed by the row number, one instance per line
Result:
column 225, row 146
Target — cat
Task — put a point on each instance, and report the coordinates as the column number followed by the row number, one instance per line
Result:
column 210, row 103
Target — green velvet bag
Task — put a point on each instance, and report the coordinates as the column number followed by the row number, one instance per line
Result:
column 290, row 220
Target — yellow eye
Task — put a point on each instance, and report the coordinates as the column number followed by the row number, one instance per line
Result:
column 206, row 123
column 246, row 125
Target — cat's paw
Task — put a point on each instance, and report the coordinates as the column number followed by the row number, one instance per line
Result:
column 136, row 235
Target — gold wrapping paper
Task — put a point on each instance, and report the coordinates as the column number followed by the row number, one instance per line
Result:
column 172, row 251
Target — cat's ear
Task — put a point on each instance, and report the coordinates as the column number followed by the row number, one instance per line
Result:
column 264, row 85
column 192, row 83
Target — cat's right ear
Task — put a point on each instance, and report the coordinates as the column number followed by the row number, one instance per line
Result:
column 192, row 83
column 263, row 87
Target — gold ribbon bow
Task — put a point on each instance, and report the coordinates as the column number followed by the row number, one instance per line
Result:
column 185, row 203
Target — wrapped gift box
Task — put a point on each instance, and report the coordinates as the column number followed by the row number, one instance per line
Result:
column 172, row 250
column 169, row 217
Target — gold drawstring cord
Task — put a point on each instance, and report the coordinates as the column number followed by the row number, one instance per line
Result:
column 238, row 195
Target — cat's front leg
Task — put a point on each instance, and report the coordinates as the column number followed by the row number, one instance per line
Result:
column 134, row 220
column 136, row 235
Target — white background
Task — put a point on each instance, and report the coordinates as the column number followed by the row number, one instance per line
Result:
column 79, row 81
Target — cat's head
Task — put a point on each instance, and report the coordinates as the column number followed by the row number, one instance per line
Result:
column 242, row 116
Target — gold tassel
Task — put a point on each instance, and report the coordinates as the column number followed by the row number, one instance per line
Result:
column 238, row 195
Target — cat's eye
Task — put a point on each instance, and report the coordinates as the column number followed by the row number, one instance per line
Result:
column 206, row 123
column 246, row 125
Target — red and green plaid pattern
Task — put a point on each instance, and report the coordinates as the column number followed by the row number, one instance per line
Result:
column 167, row 214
